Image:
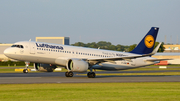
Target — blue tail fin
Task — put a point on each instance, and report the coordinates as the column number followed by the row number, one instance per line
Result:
column 147, row 43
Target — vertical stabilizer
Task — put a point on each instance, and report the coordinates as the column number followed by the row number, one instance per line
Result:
column 146, row 45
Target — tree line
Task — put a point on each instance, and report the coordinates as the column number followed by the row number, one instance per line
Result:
column 13, row 63
column 109, row 46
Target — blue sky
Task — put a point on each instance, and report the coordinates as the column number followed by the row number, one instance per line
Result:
column 117, row 21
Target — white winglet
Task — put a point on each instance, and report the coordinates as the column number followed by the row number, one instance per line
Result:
column 156, row 49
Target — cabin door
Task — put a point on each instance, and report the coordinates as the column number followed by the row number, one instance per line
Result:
column 32, row 48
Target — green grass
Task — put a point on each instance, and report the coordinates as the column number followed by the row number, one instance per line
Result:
column 7, row 70
column 15, row 66
column 156, row 91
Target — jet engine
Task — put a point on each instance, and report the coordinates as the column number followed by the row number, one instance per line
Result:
column 44, row 67
column 77, row 65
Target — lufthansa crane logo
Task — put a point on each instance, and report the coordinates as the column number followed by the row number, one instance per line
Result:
column 149, row 41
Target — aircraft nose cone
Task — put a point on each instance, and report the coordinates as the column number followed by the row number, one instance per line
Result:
column 6, row 52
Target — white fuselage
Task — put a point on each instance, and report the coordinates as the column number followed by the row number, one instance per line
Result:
column 57, row 54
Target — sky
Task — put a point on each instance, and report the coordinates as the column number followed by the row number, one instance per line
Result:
column 122, row 22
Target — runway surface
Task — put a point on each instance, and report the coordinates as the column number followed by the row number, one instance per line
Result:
column 59, row 77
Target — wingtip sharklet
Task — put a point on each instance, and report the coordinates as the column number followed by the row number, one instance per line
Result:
column 156, row 49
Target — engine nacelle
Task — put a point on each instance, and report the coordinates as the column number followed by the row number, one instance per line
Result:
column 44, row 67
column 77, row 65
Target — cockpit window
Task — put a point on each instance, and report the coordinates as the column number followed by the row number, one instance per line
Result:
column 18, row 46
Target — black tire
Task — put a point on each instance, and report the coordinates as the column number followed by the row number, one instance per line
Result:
column 25, row 71
column 91, row 75
column 70, row 74
column 66, row 74
column 88, row 74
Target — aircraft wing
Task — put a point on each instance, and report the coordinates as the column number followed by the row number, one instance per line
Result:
column 128, row 58
column 110, row 59
column 151, row 60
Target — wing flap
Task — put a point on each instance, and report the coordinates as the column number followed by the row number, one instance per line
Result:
column 151, row 60
column 114, row 58
column 127, row 58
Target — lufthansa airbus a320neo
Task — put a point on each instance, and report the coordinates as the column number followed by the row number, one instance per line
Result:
column 47, row 56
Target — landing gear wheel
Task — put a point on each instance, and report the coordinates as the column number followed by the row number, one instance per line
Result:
column 69, row 74
column 25, row 71
column 91, row 75
column 66, row 74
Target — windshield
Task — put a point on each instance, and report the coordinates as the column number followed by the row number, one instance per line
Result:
column 18, row 46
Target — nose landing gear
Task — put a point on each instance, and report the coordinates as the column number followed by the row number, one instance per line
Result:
column 25, row 71
column 26, row 68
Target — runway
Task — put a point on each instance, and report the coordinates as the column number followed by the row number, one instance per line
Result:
column 59, row 77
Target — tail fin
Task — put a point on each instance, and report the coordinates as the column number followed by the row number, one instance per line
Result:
column 147, row 43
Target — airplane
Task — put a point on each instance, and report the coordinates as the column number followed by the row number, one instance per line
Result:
column 47, row 56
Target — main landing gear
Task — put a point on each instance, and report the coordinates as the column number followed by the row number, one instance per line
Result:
column 26, row 69
column 89, row 74
column 69, row 74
